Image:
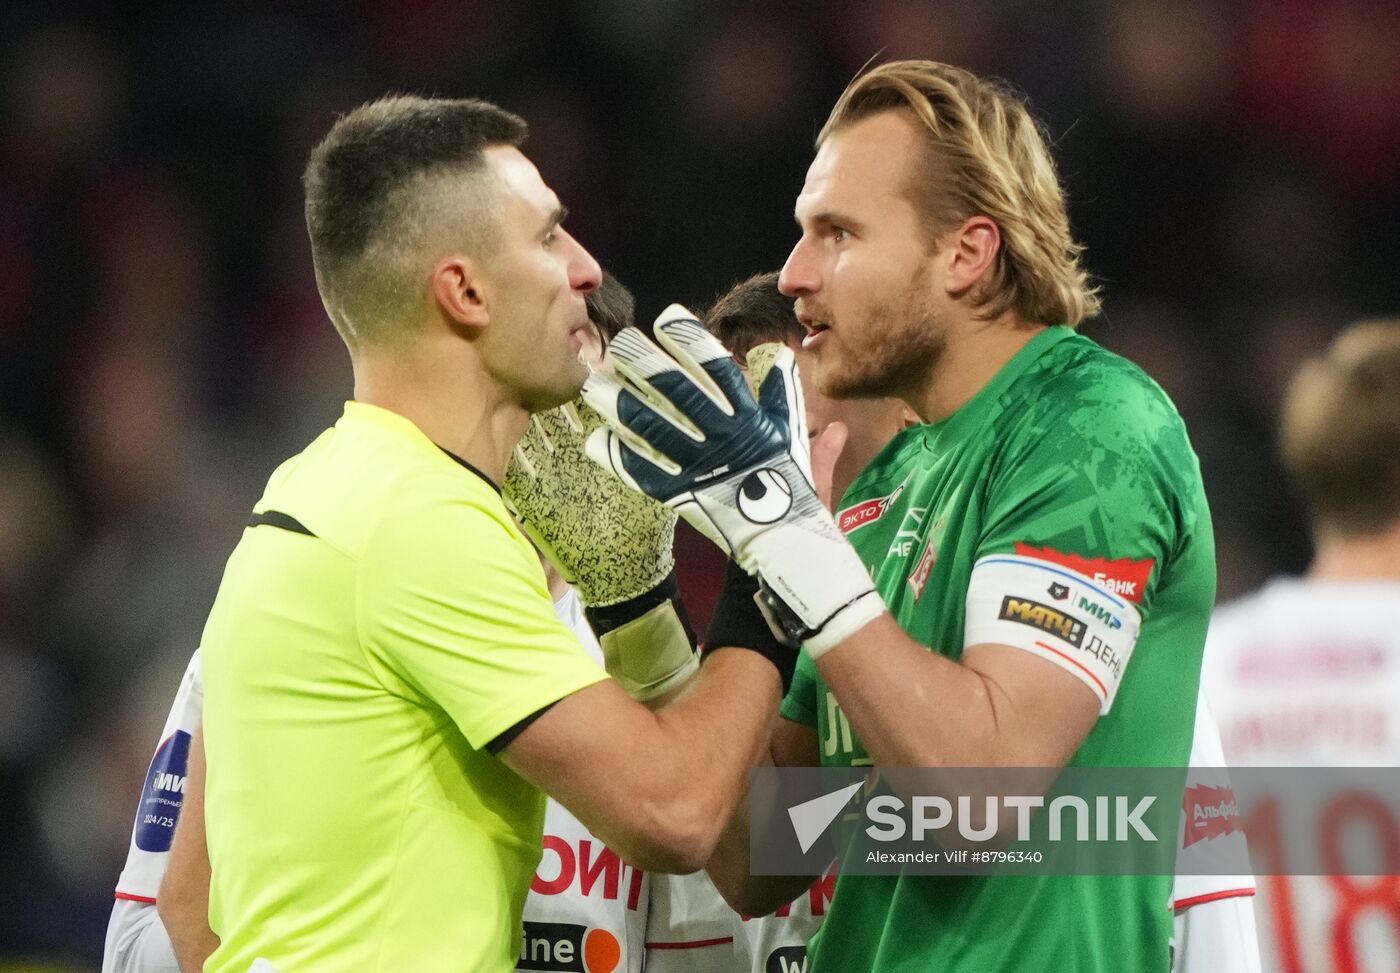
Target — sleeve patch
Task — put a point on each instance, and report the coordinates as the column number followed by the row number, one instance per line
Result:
column 1212, row 856
column 164, row 795
column 1210, row 812
column 1121, row 576
column 1056, row 612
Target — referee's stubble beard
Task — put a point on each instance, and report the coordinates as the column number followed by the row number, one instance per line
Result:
column 540, row 276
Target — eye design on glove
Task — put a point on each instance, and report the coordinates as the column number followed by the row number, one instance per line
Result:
column 764, row 496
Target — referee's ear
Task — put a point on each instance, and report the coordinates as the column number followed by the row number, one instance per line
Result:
column 457, row 288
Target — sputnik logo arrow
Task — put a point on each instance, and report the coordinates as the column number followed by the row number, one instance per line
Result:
column 810, row 819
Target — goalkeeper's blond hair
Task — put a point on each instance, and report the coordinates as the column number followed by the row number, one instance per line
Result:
column 983, row 154
column 1341, row 431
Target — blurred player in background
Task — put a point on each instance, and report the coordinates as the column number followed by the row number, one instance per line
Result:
column 1215, row 929
column 935, row 265
column 387, row 689
column 1306, row 673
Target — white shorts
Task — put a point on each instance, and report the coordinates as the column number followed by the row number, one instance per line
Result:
column 1217, row 937
column 137, row 941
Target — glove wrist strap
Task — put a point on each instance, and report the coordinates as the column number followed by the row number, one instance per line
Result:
column 648, row 643
column 848, row 620
column 831, row 632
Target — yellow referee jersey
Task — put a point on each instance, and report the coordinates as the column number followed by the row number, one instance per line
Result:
column 379, row 624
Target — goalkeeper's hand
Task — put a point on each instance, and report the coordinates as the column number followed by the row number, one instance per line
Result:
column 686, row 430
column 611, row 543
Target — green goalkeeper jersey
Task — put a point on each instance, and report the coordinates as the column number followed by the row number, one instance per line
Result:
column 1059, row 511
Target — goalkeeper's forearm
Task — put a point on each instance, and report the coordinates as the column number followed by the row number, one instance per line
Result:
column 729, row 869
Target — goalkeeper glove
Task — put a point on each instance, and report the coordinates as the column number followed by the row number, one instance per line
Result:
column 686, row 430
column 612, row 544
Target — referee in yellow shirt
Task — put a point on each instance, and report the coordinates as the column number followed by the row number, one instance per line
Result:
column 387, row 688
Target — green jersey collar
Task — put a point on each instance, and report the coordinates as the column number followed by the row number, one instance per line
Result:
column 930, row 436
column 972, row 412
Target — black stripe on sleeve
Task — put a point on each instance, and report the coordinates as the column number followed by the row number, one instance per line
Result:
column 275, row 518
column 508, row 737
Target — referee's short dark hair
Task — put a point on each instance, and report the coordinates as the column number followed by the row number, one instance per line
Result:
column 751, row 313
column 393, row 182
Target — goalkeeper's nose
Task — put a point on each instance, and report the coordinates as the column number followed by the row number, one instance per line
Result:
column 801, row 273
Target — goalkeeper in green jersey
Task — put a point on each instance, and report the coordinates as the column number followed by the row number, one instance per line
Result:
column 935, row 265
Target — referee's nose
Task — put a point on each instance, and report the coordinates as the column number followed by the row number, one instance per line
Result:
column 584, row 273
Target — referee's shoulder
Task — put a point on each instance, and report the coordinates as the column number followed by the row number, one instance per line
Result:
column 429, row 496
column 428, row 483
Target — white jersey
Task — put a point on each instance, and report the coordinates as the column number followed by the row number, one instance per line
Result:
column 1215, row 930
column 692, row 930
column 1307, row 674
column 164, row 792
column 587, row 909
column 136, row 940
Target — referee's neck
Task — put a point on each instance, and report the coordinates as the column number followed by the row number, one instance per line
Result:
column 454, row 403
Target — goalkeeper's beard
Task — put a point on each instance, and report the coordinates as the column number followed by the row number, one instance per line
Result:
column 899, row 347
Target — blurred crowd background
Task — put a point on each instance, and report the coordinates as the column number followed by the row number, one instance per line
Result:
column 1234, row 169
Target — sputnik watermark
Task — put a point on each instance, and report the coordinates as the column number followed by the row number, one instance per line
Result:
column 1339, row 821
column 955, row 821
column 811, row 818
column 923, row 816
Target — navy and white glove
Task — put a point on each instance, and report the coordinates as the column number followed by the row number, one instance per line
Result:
column 686, row 430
